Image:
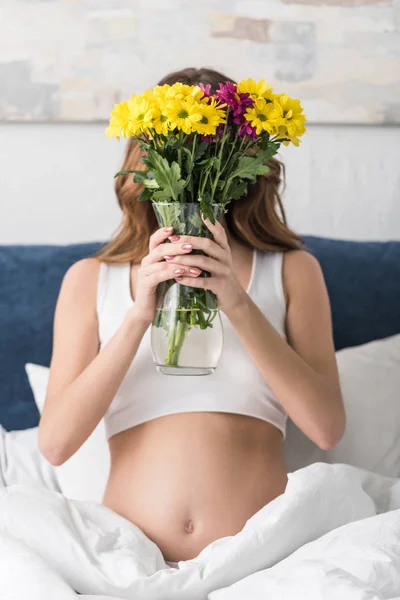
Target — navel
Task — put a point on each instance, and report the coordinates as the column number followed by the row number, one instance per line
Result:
column 189, row 526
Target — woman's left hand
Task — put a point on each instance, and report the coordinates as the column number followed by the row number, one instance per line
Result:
column 218, row 262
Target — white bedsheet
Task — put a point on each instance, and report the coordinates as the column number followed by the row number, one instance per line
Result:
column 333, row 534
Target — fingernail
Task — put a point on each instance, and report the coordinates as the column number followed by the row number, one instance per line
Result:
column 179, row 271
column 194, row 271
column 174, row 238
column 187, row 246
column 178, row 278
column 168, row 229
column 168, row 257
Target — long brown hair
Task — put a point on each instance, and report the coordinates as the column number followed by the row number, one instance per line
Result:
column 257, row 220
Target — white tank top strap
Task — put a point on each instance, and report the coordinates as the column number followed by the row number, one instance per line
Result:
column 101, row 287
column 113, row 295
column 267, row 287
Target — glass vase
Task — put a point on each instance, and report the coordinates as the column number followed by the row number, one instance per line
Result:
column 186, row 333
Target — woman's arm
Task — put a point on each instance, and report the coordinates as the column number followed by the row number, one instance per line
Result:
column 82, row 381
column 303, row 372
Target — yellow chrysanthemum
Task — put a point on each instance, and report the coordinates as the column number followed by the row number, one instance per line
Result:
column 289, row 118
column 161, row 124
column 256, row 89
column 182, row 91
column 211, row 116
column 259, row 115
column 160, row 91
column 119, row 120
column 140, row 115
column 156, row 100
column 183, row 113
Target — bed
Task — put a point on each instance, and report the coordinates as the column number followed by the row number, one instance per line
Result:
column 333, row 533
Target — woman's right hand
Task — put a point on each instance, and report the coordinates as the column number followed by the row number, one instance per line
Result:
column 154, row 269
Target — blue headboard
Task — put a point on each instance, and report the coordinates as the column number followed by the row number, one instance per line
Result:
column 363, row 280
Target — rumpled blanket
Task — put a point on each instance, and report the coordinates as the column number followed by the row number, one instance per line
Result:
column 333, row 534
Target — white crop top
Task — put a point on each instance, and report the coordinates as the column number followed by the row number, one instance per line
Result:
column 236, row 386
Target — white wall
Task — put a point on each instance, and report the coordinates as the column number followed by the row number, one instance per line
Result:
column 56, row 183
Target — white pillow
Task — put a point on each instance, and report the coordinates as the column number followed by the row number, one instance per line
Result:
column 370, row 381
column 84, row 476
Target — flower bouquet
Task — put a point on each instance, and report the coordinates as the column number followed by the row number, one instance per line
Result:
column 200, row 151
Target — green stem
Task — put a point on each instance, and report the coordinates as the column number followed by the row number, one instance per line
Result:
column 192, row 163
column 204, row 183
column 225, row 167
column 227, row 187
column 224, row 136
column 176, row 339
column 181, row 198
column 180, row 338
column 202, row 173
column 169, row 360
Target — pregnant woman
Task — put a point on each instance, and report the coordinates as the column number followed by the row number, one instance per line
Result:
column 193, row 458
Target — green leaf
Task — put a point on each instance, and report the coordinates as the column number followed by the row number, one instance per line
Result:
column 146, row 161
column 146, row 194
column 171, row 142
column 140, row 176
column 264, row 141
column 144, row 145
column 200, row 149
column 169, row 215
column 180, row 228
column 124, row 172
column 162, row 195
column 151, row 184
column 196, row 221
column 168, row 176
column 206, row 209
column 238, row 190
column 249, row 167
column 267, row 150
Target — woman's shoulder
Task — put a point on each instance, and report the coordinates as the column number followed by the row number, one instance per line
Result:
column 83, row 272
column 294, row 262
column 80, row 281
column 300, row 268
column 300, row 259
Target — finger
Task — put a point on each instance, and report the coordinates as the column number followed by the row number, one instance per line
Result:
column 168, row 268
column 159, row 236
column 158, row 277
column 162, row 250
column 201, row 243
column 218, row 232
column 201, row 282
column 154, row 279
column 205, row 263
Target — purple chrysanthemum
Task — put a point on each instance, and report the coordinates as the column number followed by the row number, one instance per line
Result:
column 206, row 89
column 238, row 102
column 247, row 131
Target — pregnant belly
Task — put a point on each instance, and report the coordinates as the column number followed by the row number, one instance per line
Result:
column 189, row 479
